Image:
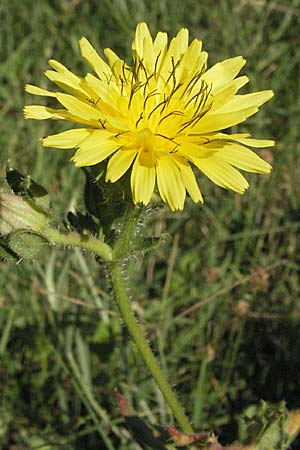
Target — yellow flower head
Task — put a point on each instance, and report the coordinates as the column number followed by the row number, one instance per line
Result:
column 157, row 117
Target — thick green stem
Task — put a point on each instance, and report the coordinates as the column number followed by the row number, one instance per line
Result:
column 76, row 240
column 143, row 346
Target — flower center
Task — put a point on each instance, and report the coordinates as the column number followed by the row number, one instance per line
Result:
column 145, row 141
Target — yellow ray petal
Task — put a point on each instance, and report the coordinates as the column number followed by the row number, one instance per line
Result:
column 243, row 158
column 59, row 67
column 189, row 180
column 39, row 112
column 67, row 139
column 185, row 73
column 142, row 182
column 119, row 163
column 193, row 61
column 242, row 102
column 222, row 174
column 242, row 138
column 93, row 59
column 223, row 97
column 223, row 72
column 143, row 45
column 169, row 182
column 177, row 48
column 109, row 102
column 94, row 149
column 226, row 93
column 69, row 76
column 219, row 121
column 107, row 95
column 64, row 77
column 97, row 138
column 113, row 59
column 142, row 32
column 190, row 150
column 240, row 81
column 80, row 108
column 78, row 89
column 35, row 90
column 160, row 44
column 258, row 143
column 179, row 44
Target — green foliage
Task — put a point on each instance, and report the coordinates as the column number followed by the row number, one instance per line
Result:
column 265, row 426
column 219, row 300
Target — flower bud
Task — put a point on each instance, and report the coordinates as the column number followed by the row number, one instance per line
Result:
column 19, row 213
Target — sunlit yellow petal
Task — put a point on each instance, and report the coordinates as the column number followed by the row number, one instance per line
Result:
column 244, row 159
column 242, row 138
column 119, row 163
column 106, row 98
column 160, row 44
column 242, row 102
column 94, row 149
column 113, row 58
column 219, row 121
column 91, row 56
column 222, row 174
column 177, row 49
column 42, row 112
column 189, row 180
column 38, row 112
column 78, row 107
column 142, row 182
column 169, row 182
column 258, row 143
column 223, row 72
column 222, row 97
column 190, row 150
column 67, row 139
column 179, row 44
column 142, row 34
column 35, row 90
column 143, row 46
column 66, row 80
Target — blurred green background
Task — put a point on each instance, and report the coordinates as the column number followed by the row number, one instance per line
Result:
column 219, row 301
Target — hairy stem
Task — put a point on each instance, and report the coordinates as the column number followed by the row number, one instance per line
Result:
column 143, row 346
column 76, row 240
